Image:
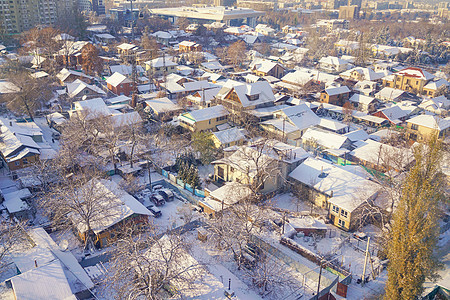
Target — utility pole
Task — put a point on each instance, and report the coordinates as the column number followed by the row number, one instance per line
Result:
column 318, row 283
column 133, row 61
column 365, row 262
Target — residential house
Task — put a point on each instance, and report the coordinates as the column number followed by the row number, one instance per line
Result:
column 163, row 108
column 265, row 30
column 389, row 94
column 364, row 103
column 433, row 87
column 222, row 198
column 394, row 114
column 228, row 137
column 360, row 74
column 333, row 126
column 341, row 192
column 203, row 98
column 335, row 95
column 125, row 49
column 161, row 66
column 263, row 67
column 365, row 87
column 410, row 79
column 206, row 119
column 120, row 84
column 126, row 70
column 18, row 150
column 424, row 126
column 165, row 38
column 66, row 76
column 188, row 46
column 381, row 157
column 264, row 164
column 438, row 105
column 317, row 139
column 16, row 204
column 333, row 64
column 240, row 97
column 121, row 210
column 46, row 272
column 79, row 89
column 70, row 53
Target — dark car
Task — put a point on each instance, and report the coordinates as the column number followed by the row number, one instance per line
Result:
column 155, row 211
column 158, row 199
column 166, row 194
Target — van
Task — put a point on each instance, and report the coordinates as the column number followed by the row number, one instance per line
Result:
column 166, row 194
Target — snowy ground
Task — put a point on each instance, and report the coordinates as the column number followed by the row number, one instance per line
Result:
column 290, row 202
column 47, row 133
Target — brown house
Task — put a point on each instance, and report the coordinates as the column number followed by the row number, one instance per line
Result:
column 119, row 84
column 335, row 95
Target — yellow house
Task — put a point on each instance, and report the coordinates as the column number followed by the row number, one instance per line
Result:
column 227, row 138
column 410, row 79
column 432, row 87
column 423, row 126
column 222, row 198
column 341, row 192
column 264, row 165
column 204, row 119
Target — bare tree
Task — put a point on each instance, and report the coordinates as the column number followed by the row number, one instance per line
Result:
column 130, row 184
column 27, row 94
column 143, row 265
column 11, row 236
column 84, row 201
column 271, row 277
column 92, row 63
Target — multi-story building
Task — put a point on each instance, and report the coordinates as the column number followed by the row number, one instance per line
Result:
column 410, row 79
column 20, row 15
column 97, row 6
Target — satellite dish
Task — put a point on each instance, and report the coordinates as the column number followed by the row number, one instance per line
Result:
column 64, row 245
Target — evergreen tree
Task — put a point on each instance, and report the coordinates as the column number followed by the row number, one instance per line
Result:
column 415, row 230
column 195, row 180
column 190, row 175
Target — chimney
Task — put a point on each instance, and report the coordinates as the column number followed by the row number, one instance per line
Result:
column 10, row 123
column 35, row 263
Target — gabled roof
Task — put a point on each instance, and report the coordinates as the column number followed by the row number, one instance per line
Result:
column 434, row 85
column 125, row 70
column 358, row 98
column 327, row 139
column 117, row 79
column 76, row 87
column 162, row 105
column 230, row 135
column 332, row 91
column 357, row 135
column 122, row 205
column 206, row 113
column 393, row 113
column 365, row 73
column 95, row 106
column 261, row 88
column 126, row 46
column 161, row 62
column 65, row 73
column 332, row 60
column 433, row 122
column 45, row 282
column 346, row 189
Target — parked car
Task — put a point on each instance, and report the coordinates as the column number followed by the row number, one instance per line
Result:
column 155, row 211
column 166, row 194
column 158, row 199
column 157, row 187
column 56, row 135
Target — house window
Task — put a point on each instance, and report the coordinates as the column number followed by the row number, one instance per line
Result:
column 86, row 92
column 17, row 163
column 413, row 137
column 25, row 161
column 414, row 126
column 335, row 209
column 344, row 213
column 341, row 223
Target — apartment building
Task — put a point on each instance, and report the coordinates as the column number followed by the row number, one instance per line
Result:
column 21, row 15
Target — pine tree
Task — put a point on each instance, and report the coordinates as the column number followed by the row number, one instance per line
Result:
column 195, row 180
column 415, row 230
column 190, row 175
